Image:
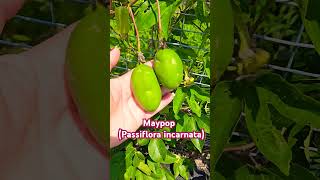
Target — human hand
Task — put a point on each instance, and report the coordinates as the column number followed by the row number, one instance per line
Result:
column 41, row 134
column 125, row 113
column 8, row 8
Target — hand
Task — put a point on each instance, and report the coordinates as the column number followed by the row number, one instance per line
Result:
column 125, row 113
column 41, row 135
column 8, row 8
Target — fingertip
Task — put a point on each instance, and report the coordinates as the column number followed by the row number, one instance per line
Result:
column 166, row 99
column 114, row 56
column 149, row 63
column 165, row 90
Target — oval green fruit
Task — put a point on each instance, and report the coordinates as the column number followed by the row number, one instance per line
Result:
column 169, row 68
column 86, row 72
column 145, row 88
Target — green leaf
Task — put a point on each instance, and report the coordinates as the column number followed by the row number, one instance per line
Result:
column 142, row 142
column 130, row 173
column 179, row 125
column 177, row 101
column 305, row 88
column 155, row 168
column 136, row 160
column 300, row 116
column 203, row 123
column 312, row 10
column 118, row 165
column 184, row 172
column 312, row 26
column 170, row 158
column 244, row 173
column 140, row 155
column 200, row 93
column 157, row 150
column 294, row 131
column 202, row 10
column 218, row 176
column 289, row 101
column 139, row 175
column 194, row 106
column 297, row 172
column 190, row 126
column 122, row 19
column 168, row 174
column 130, row 151
column 144, row 168
column 145, row 20
column 176, row 167
column 266, row 137
column 223, row 35
column 306, row 144
column 226, row 110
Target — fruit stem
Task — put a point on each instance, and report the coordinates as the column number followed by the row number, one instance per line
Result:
column 162, row 44
column 140, row 54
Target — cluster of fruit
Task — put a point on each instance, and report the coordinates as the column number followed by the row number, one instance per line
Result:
column 167, row 70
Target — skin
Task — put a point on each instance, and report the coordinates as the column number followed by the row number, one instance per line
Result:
column 40, row 127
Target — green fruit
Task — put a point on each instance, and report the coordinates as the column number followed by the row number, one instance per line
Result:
column 145, row 87
column 169, row 68
column 86, row 71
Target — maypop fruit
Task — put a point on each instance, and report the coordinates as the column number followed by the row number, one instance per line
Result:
column 169, row 68
column 86, row 71
column 145, row 87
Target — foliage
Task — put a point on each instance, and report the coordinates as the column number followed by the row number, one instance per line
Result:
column 185, row 29
column 277, row 112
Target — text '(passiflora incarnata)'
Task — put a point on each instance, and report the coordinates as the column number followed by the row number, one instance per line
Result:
column 146, row 134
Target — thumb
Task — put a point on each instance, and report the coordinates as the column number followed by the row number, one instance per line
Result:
column 114, row 57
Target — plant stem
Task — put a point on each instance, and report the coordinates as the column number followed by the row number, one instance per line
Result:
column 162, row 44
column 240, row 148
column 159, row 17
column 141, row 58
column 135, row 27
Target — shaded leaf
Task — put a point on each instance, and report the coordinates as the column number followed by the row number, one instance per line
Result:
column 190, row 126
column 222, row 34
column 177, row 101
column 142, row 142
column 118, row 165
column 312, row 26
column 203, row 123
column 226, row 111
column 266, row 137
column 194, row 106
